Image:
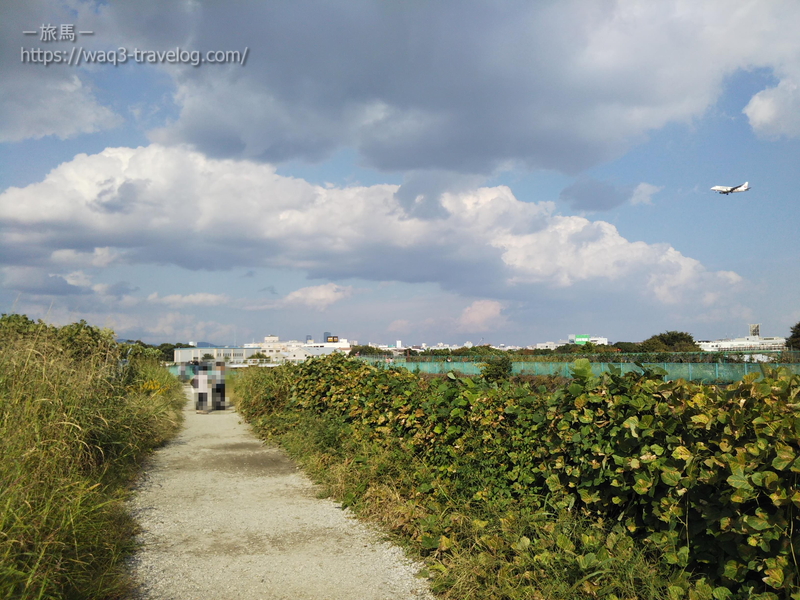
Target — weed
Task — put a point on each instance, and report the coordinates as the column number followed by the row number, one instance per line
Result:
column 75, row 426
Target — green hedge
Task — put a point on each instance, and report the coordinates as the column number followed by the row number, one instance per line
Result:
column 706, row 477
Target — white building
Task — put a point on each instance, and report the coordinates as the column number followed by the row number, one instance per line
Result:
column 744, row 344
column 590, row 339
column 228, row 354
column 275, row 349
column 752, row 342
column 548, row 345
column 340, row 345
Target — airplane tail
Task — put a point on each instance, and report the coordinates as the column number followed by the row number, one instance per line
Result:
column 746, row 186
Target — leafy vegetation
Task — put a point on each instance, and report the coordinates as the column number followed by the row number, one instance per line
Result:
column 164, row 352
column 611, row 486
column 670, row 341
column 473, row 351
column 75, row 425
column 497, row 368
column 369, row 351
column 793, row 341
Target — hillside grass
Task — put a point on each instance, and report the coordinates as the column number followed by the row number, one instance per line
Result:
column 75, row 426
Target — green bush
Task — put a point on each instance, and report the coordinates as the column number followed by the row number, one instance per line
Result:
column 497, row 368
column 703, row 477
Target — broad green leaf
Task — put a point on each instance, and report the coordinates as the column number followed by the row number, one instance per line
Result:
column 522, row 544
column 564, row 542
column 632, row 423
column 771, row 480
column 553, row 482
column 739, row 479
column 757, row 523
column 582, row 368
column 643, row 483
column 774, row 578
column 721, row 593
column 671, row 477
column 675, row 592
column 732, row 570
column 430, row 542
column 576, row 389
column 586, row 561
column 589, row 497
column 742, row 495
column 682, row 453
column 785, row 457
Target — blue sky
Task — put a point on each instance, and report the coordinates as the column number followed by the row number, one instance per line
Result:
column 430, row 172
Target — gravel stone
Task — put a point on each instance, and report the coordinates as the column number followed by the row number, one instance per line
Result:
column 223, row 516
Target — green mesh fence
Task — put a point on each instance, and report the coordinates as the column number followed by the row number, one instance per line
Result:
column 702, row 372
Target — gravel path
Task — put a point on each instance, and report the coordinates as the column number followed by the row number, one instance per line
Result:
column 226, row 517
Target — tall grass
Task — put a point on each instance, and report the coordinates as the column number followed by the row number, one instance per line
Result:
column 74, row 426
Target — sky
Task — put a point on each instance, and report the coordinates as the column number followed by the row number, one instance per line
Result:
column 430, row 172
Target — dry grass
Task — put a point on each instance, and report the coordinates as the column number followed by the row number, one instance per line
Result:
column 75, row 426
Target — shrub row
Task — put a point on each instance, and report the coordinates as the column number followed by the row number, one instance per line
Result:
column 704, row 477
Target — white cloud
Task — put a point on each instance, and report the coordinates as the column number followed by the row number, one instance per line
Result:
column 78, row 278
column 317, row 297
column 38, row 100
column 481, row 315
column 172, row 205
column 98, row 257
column 399, row 326
column 775, row 112
column 197, row 299
column 643, row 194
column 37, row 281
column 62, row 106
column 179, row 326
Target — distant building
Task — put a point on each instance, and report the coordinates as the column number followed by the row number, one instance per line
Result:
column 275, row 349
column 744, row 344
column 577, row 339
column 582, row 339
column 228, row 354
column 547, row 346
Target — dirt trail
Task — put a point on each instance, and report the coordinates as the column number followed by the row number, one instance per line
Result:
column 226, row 517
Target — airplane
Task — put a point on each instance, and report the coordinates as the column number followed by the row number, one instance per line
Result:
column 723, row 189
